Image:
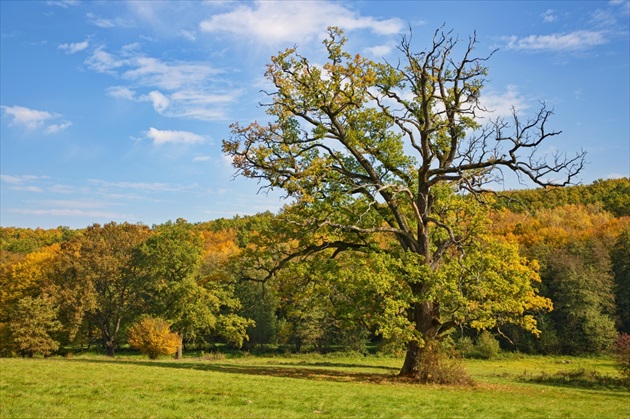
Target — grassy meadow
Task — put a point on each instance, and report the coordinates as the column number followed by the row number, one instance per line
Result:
column 90, row 386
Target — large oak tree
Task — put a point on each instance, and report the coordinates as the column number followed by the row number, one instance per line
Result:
column 367, row 149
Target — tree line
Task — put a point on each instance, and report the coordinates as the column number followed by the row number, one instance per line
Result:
column 218, row 282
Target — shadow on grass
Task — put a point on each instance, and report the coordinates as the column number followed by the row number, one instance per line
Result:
column 580, row 378
column 309, row 371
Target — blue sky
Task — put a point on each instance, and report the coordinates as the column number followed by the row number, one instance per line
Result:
column 115, row 111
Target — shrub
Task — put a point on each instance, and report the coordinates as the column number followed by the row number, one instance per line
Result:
column 487, row 347
column 440, row 365
column 465, row 346
column 152, row 336
column 622, row 355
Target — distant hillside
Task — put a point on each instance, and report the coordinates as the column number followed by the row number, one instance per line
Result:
column 613, row 195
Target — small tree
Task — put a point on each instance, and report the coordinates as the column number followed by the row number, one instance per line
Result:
column 152, row 336
column 31, row 323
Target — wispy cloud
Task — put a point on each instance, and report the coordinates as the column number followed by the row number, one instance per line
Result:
column 71, row 212
column 502, row 104
column 104, row 62
column 75, row 47
column 33, row 119
column 379, row 51
column 167, row 75
column 198, row 159
column 549, row 16
column 62, row 3
column 274, row 22
column 572, row 41
column 26, row 117
column 121, row 92
column 159, row 101
column 55, row 128
column 145, row 186
column 189, row 35
column 27, row 183
column 163, row 137
column 176, row 89
column 19, row 179
column 105, row 23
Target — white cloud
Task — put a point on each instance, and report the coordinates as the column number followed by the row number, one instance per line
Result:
column 73, row 203
column 29, row 118
column 549, row 16
column 110, row 23
column 62, row 189
column 68, row 212
column 33, row 119
column 75, row 47
column 169, row 76
column 227, row 160
column 189, row 35
column 10, row 179
column 189, row 104
column 166, row 136
column 500, row 104
column 23, row 182
column 121, row 92
column 573, row 41
column 62, row 3
column 176, row 89
column 29, row 188
column 149, row 71
column 159, row 101
column 274, row 22
column 103, row 62
column 202, row 114
column 145, row 186
column 55, row 128
column 379, row 50
column 197, row 159
column 17, row 180
column 202, row 98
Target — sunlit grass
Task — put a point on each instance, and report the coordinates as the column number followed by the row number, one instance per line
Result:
column 295, row 386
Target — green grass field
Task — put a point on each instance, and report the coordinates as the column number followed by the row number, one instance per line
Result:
column 304, row 386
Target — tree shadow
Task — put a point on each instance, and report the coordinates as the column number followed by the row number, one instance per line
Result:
column 579, row 378
column 303, row 371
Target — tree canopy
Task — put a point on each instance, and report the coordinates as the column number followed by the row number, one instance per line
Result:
column 367, row 149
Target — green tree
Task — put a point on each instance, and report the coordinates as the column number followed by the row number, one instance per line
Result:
column 366, row 148
column 621, row 267
column 579, row 281
column 32, row 322
column 177, row 290
column 100, row 280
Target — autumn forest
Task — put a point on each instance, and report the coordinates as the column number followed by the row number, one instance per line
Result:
column 217, row 283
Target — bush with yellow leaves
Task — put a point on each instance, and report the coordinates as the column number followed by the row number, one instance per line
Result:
column 152, row 336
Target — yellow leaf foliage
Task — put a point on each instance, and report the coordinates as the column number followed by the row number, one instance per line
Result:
column 152, row 336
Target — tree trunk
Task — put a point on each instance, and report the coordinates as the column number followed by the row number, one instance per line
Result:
column 110, row 347
column 180, row 349
column 412, row 360
column 422, row 358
